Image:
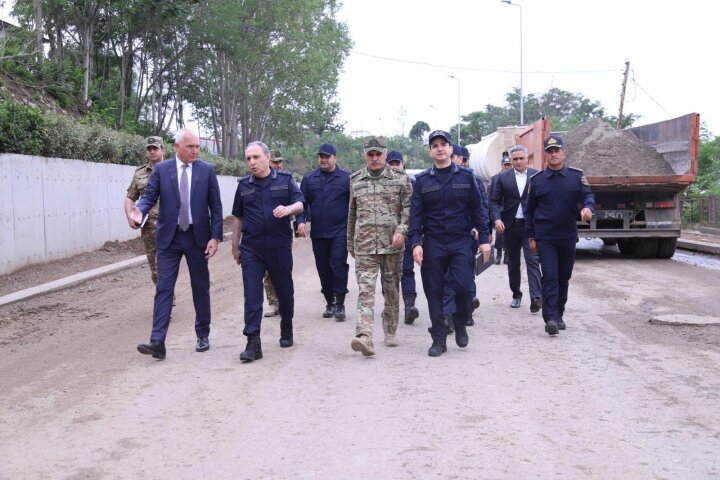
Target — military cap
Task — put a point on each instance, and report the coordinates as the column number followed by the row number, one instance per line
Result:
column 153, row 142
column 276, row 156
column 439, row 133
column 394, row 156
column 375, row 143
column 465, row 153
column 327, row 149
column 552, row 141
column 506, row 160
column 457, row 150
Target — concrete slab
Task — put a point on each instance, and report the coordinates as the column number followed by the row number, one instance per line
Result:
column 71, row 281
column 682, row 319
column 697, row 246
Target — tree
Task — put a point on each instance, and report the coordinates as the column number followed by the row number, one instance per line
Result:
column 418, row 130
column 271, row 69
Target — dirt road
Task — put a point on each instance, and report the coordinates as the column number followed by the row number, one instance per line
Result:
column 613, row 397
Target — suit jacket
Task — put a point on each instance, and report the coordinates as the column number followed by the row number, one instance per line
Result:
column 505, row 197
column 205, row 203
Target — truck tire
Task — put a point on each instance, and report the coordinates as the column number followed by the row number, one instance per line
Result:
column 646, row 248
column 627, row 245
column 666, row 247
column 609, row 241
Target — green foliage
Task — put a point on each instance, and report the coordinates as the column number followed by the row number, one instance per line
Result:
column 418, row 130
column 708, row 177
column 22, row 129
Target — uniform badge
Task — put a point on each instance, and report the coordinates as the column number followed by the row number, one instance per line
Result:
column 584, row 181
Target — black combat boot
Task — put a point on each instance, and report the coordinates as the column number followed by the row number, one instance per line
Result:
column 439, row 346
column 411, row 311
column 286, row 337
column 330, row 307
column 461, row 336
column 340, row 307
column 498, row 256
column 253, row 351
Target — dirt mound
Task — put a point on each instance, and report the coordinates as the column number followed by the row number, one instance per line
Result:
column 602, row 151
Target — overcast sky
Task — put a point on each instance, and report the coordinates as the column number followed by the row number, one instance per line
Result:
column 579, row 46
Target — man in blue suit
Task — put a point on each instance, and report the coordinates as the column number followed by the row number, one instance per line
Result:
column 189, row 223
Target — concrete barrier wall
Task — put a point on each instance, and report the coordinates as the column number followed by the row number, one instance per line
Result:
column 52, row 208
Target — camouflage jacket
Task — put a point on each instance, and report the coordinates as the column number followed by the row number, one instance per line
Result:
column 137, row 189
column 379, row 208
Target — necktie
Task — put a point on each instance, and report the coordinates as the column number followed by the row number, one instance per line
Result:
column 184, row 220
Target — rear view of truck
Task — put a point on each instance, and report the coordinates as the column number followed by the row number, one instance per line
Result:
column 636, row 175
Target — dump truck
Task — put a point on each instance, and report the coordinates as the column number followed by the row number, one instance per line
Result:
column 641, row 211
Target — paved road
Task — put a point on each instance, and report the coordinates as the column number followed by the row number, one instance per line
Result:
column 613, row 397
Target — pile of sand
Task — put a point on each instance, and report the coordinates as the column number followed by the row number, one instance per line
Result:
column 602, row 151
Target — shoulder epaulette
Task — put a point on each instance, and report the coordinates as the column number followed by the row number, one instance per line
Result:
column 465, row 169
column 536, row 173
column 356, row 173
column 283, row 172
column 398, row 170
column 349, row 172
column 575, row 168
column 246, row 177
column 141, row 167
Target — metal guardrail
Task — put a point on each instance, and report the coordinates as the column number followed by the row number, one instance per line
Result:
column 701, row 211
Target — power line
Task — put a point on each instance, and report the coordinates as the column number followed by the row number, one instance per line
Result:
column 649, row 96
column 478, row 69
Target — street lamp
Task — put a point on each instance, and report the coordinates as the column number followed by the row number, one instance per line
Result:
column 458, row 125
column 522, row 100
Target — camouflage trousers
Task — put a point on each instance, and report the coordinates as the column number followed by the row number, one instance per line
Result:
column 148, row 237
column 272, row 297
column 366, row 270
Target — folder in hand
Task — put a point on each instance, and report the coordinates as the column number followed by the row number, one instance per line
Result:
column 481, row 266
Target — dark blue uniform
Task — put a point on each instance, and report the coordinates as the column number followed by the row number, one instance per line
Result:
column 327, row 199
column 266, row 244
column 550, row 218
column 407, row 281
column 449, row 296
column 446, row 205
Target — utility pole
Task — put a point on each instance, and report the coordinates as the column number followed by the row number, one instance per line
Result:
column 622, row 95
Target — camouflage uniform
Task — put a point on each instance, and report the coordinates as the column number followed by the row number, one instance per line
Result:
column 379, row 208
column 272, row 297
column 147, row 233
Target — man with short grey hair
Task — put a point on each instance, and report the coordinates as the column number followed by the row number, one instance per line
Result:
column 508, row 201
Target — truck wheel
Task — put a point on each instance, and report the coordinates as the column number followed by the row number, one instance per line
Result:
column 666, row 247
column 627, row 246
column 609, row 241
column 646, row 248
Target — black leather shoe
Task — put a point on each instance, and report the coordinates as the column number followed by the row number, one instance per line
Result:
column 551, row 327
column 286, row 340
column 438, row 348
column 154, row 348
column 475, row 303
column 469, row 322
column 461, row 337
column 516, row 302
column 203, row 344
column 561, row 325
column 536, row 305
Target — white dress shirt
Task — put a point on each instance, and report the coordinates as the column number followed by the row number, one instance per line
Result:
column 521, row 179
column 179, row 165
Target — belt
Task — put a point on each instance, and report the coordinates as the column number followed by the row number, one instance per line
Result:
column 178, row 229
